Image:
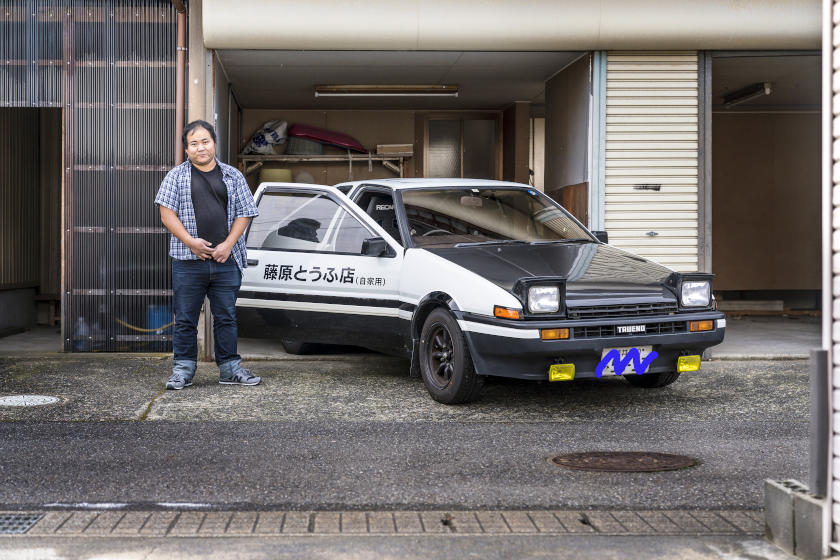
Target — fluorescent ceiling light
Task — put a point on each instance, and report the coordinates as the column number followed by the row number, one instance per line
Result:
column 386, row 91
column 759, row 89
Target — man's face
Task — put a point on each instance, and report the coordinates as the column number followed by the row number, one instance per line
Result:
column 200, row 146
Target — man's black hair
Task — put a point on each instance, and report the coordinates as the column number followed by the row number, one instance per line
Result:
column 197, row 124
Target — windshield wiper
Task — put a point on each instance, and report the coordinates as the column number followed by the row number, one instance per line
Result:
column 491, row 242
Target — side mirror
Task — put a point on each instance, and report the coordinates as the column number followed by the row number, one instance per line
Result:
column 377, row 247
column 601, row 236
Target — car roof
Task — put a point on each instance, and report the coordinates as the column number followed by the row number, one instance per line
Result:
column 416, row 183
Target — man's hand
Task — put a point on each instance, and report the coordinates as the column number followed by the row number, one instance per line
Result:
column 222, row 251
column 200, row 248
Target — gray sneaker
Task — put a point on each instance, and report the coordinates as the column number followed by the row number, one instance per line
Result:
column 241, row 377
column 177, row 382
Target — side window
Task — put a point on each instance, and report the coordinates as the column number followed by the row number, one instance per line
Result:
column 305, row 222
column 380, row 206
column 350, row 233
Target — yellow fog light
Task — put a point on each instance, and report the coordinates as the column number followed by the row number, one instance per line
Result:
column 695, row 326
column 561, row 372
column 688, row 363
column 554, row 334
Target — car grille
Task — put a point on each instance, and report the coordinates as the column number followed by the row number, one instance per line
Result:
column 628, row 310
column 598, row 331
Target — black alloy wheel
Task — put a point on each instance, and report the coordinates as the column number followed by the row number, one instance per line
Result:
column 445, row 362
column 296, row 347
column 441, row 355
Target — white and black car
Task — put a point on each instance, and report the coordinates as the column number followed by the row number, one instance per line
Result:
column 469, row 278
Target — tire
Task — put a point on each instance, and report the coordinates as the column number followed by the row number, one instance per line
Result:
column 652, row 380
column 445, row 362
column 296, row 347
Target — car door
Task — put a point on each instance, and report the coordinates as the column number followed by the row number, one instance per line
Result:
column 309, row 277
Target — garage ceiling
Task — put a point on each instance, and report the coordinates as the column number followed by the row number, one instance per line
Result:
column 263, row 79
column 796, row 81
column 486, row 80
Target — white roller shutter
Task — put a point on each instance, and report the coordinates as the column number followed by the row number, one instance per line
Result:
column 651, row 159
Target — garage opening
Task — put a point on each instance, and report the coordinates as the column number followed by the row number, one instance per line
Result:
column 487, row 130
column 766, row 181
column 489, row 124
column 30, row 220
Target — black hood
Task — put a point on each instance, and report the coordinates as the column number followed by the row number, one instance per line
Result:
column 591, row 270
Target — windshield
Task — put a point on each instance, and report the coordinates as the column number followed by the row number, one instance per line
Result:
column 457, row 217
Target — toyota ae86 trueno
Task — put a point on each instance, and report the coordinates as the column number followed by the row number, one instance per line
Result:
column 469, row 278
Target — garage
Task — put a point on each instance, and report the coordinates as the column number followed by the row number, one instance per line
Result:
column 488, row 124
column 765, row 155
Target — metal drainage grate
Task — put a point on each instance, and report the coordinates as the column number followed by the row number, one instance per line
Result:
column 18, row 523
column 624, row 461
column 27, row 400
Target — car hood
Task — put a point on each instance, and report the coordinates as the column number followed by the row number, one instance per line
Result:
column 592, row 270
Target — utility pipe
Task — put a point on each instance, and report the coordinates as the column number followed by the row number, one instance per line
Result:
column 180, row 77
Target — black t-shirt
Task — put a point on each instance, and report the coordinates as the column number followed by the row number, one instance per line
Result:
column 209, row 198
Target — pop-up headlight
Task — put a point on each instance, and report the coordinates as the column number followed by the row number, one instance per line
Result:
column 543, row 299
column 695, row 293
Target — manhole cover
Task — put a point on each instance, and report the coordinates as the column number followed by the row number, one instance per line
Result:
column 624, row 461
column 27, row 400
column 17, row 523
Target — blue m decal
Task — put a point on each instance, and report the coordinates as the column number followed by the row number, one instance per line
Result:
column 619, row 363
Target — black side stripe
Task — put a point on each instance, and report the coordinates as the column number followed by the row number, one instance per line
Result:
column 335, row 300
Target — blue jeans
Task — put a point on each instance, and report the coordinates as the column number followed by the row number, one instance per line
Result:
column 191, row 282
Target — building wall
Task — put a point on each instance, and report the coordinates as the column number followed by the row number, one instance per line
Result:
column 766, row 201
column 516, row 137
column 567, row 107
column 537, row 153
column 222, row 111
column 567, row 99
column 830, row 259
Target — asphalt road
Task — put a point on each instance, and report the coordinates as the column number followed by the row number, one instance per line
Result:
column 356, row 432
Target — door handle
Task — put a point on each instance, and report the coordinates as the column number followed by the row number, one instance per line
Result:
column 253, row 262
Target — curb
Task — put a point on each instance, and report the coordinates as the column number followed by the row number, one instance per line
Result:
column 174, row 523
column 758, row 357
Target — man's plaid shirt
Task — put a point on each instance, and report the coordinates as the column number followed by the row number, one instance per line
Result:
column 175, row 193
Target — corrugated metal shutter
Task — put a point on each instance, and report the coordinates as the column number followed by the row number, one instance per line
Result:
column 112, row 66
column 651, row 159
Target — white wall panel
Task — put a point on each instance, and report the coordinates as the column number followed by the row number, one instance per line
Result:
column 535, row 25
column 831, row 237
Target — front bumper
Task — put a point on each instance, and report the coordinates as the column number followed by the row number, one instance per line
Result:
column 514, row 348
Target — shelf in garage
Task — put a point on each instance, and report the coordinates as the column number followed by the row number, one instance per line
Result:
column 394, row 162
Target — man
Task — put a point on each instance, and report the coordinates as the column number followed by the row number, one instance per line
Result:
column 206, row 205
